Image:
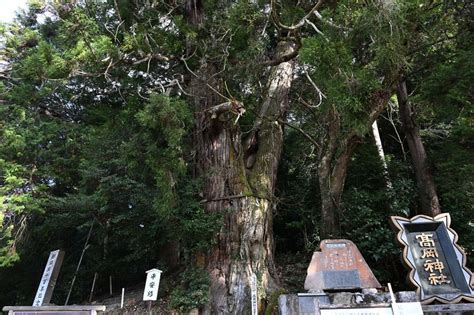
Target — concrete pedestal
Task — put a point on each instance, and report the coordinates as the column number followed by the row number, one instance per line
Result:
column 55, row 310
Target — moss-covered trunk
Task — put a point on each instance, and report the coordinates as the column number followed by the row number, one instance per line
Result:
column 239, row 180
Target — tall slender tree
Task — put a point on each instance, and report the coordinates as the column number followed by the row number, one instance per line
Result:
column 427, row 190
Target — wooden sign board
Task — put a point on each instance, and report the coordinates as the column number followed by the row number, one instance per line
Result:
column 49, row 277
column 152, row 284
column 253, row 291
column 437, row 264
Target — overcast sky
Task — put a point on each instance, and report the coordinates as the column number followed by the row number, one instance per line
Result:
column 8, row 8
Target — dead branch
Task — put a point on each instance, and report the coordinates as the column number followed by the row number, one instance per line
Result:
column 304, row 133
column 207, row 84
column 330, row 23
column 150, row 56
column 231, row 106
column 318, row 90
column 276, row 19
column 316, row 29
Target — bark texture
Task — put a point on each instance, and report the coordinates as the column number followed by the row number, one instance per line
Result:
column 239, row 180
column 335, row 151
column 428, row 197
column 332, row 170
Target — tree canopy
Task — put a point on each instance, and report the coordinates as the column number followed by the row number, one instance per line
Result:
column 219, row 138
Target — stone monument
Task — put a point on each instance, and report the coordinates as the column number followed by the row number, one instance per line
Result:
column 339, row 281
column 339, row 266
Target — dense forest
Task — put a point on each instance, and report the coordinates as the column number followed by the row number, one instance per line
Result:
column 214, row 139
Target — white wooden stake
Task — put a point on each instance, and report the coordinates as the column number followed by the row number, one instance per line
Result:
column 395, row 309
column 123, row 294
column 253, row 291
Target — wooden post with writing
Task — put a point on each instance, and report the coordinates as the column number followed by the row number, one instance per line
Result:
column 253, row 290
column 150, row 293
column 49, row 277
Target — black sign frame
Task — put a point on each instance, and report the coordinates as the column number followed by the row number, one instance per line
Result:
column 457, row 280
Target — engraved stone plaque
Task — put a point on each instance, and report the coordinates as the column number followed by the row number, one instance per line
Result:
column 341, row 279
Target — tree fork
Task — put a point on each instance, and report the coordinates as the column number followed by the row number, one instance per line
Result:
column 335, row 153
column 244, row 244
column 428, row 197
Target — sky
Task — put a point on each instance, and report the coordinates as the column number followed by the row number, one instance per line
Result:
column 8, row 8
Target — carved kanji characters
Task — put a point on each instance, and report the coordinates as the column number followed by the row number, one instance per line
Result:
column 425, row 240
column 431, row 266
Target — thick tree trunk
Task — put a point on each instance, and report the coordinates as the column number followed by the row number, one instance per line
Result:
column 426, row 186
column 239, row 180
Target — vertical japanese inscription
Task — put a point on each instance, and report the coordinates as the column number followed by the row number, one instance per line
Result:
column 339, row 266
column 437, row 263
column 433, row 266
column 48, row 279
column 253, row 292
column 152, row 284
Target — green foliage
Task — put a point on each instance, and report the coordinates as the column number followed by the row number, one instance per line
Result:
column 74, row 150
column 296, row 221
column 94, row 127
column 43, row 62
column 196, row 228
column 192, row 291
column 273, row 302
column 455, row 166
column 244, row 18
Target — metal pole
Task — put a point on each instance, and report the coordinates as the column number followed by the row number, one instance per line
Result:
column 86, row 245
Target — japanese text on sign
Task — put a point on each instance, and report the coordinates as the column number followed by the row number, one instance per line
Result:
column 433, row 266
column 46, row 279
column 152, row 284
column 253, row 291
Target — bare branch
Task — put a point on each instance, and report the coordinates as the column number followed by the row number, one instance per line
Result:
column 317, row 29
column 231, row 106
column 297, row 25
column 320, row 94
column 304, row 133
column 207, row 84
column 330, row 23
column 148, row 57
